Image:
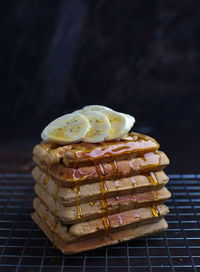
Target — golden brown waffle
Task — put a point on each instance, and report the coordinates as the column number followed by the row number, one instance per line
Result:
column 91, row 195
column 125, row 168
column 102, row 240
column 122, row 220
column 93, row 191
column 93, row 209
column 134, row 144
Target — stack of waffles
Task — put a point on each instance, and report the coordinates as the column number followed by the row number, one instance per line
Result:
column 92, row 195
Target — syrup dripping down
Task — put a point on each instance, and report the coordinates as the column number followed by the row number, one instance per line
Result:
column 133, row 182
column 115, row 168
column 78, row 197
column 46, row 180
column 127, row 147
column 91, row 202
column 53, row 227
column 154, row 181
column 46, row 216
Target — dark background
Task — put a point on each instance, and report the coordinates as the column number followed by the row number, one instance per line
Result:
column 138, row 57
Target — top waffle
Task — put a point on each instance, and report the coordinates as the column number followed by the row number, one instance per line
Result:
column 131, row 146
column 107, row 160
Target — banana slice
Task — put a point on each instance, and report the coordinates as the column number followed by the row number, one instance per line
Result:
column 99, row 126
column 120, row 123
column 69, row 128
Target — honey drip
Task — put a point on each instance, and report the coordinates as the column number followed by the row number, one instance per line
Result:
column 117, row 186
column 77, row 191
column 155, row 210
column 104, row 203
column 115, row 168
column 133, row 181
column 53, row 227
column 105, row 214
column 101, row 173
column 46, row 180
column 91, row 202
column 154, row 181
column 46, row 217
column 56, row 212
column 100, row 169
column 56, row 155
column 127, row 147
column 46, row 146
column 149, row 160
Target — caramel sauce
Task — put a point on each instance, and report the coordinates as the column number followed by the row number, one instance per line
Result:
column 91, row 202
column 56, row 212
column 57, row 155
column 147, row 161
column 79, row 174
column 133, row 181
column 104, row 204
column 95, row 155
column 126, row 147
column 154, row 181
column 152, row 178
column 103, row 188
column 53, row 227
column 100, row 169
column 47, row 146
column 115, row 168
column 155, row 210
column 77, row 191
column 55, row 194
column 46, row 216
column 106, row 223
column 117, row 186
column 46, row 180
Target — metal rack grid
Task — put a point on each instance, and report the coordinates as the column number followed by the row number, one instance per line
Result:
column 25, row 248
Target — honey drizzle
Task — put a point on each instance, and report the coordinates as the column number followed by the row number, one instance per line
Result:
column 127, row 147
column 91, row 202
column 77, row 191
column 115, row 168
column 154, row 181
column 53, row 227
column 46, row 180
column 133, row 181
column 46, row 216
column 104, row 204
column 101, row 173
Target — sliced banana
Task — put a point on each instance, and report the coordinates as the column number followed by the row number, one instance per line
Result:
column 120, row 123
column 99, row 126
column 69, row 128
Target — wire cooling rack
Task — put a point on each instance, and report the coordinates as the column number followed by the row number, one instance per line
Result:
column 25, row 248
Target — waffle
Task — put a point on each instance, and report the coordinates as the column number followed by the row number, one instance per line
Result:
column 92, row 195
